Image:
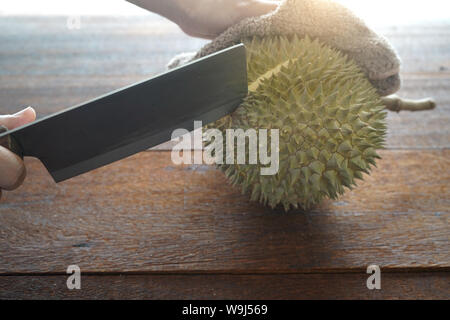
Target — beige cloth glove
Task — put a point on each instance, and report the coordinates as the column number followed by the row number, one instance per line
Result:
column 326, row 20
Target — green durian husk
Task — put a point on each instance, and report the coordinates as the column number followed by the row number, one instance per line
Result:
column 331, row 121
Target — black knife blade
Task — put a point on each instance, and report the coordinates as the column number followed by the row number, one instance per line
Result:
column 134, row 118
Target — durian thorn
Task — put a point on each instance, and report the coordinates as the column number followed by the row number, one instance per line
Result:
column 397, row 104
column 255, row 84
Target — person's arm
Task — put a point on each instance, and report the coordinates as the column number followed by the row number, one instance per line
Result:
column 12, row 169
column 206, row 18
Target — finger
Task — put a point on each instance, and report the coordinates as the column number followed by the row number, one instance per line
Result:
column 261, row 7
column 18, row 119
column 12, row 170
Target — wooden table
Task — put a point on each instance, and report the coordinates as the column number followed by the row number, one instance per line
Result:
column 145, row 228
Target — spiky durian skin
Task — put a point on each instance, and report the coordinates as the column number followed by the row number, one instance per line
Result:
column 330, row 118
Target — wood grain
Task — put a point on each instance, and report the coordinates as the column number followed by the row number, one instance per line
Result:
column 426, row 129
column 47, row 65
column 298, row 286
column 146, row 214
column 144, row 228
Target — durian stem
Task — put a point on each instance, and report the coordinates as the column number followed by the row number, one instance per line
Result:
column 397, row 104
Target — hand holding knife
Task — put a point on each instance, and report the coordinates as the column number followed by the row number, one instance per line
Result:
column 12, row 168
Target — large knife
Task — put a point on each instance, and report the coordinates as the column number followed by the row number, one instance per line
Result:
column 134, row 118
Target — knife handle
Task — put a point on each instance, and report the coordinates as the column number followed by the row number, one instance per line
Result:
column 10, row 143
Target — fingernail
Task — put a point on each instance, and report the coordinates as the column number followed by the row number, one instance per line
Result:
column 22, row 111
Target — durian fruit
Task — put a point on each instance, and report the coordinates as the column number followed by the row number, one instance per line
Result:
column 331, row 121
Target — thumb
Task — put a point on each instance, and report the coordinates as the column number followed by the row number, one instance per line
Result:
column 12, row 170
column 18, row 119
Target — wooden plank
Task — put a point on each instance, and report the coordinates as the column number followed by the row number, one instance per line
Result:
column 146, row 214
column 433, row 285
column 104, row 45
column 56, row 67
column 426, row 129
column 425, row 54
column 423, row 47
